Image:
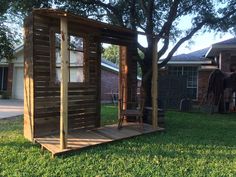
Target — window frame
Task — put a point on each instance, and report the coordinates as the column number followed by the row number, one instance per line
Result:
column 181, row 69
column 53, row 64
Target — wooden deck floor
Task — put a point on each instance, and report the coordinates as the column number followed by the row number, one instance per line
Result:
column 82, row 139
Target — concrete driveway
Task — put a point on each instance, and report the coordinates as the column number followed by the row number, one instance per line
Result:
column 11, row 108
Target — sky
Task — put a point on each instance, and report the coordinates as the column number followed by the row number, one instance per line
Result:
column 199, row 41
column 203, row 40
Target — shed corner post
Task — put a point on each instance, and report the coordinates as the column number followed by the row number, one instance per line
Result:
column 154, row 84
column 123, row 71
column 29, row 106
column 64, row 83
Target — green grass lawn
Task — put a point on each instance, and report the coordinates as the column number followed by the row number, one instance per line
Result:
column 195, row 144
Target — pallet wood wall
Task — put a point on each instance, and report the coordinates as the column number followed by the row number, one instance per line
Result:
column 84, row 111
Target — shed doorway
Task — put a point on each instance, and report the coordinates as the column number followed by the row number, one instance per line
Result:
column 109, row 74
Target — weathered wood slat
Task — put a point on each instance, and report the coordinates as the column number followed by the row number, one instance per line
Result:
column 42, row 38
column 79, row 89
column 77, row 108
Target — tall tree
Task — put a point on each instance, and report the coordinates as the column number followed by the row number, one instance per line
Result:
column 12, row 11
column 160, row 18
column 6, row 38
column 154, row 17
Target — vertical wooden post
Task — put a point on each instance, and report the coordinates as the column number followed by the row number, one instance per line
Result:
column 98, row 120
column 29, row 80
column 154, row 84
column 123, row 78
column 64, row 84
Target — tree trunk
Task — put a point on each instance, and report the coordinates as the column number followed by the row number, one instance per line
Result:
column 147, row 79
column 147, row 85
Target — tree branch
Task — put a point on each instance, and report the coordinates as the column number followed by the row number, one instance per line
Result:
column 139, row 60
column 141, row 27
column 140, row 47
column 165, row 31
column 164, row 47
column 143, row 6
column 184, row 10
column 150, row 21
column 108, row 7
column 180, row 42
column 133, row 14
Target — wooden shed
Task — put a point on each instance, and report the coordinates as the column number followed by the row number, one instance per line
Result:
column 62, row 112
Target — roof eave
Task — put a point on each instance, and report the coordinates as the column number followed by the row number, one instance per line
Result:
column 18, row 49
column 217, row 48
column 190, row 62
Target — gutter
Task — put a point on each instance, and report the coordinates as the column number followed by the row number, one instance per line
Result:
column 189, row 62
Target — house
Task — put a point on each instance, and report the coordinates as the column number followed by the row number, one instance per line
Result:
column 12, row 75
column 197, row 66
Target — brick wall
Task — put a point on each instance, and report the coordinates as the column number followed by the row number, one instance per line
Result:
column 203, row 76
column 225, row 61
column 10, row 79
column 233, row 64
column 109, row 82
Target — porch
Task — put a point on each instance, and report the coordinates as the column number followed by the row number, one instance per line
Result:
column 80, row 139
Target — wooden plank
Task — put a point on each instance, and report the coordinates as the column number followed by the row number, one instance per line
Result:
column 115, row 134
column 98, row 90
column 28, row 79
column 64, row 84
column 52, row 56
column 87, row 138
column 50, row 142
column 76, row 140
column 154, row 84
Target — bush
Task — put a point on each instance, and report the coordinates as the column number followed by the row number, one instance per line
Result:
column 4, row 94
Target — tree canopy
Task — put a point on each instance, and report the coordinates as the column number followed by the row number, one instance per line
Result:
column 6, row 38
column 161, row 18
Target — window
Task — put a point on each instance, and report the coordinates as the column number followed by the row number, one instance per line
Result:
column 76, row 54
column 190, row 73
column 175, row 71
column 3, row 78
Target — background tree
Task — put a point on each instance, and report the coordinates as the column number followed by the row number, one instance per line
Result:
column 6, row 37
column 111, row 53
column 154, row 17
column 160, row 18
